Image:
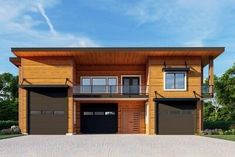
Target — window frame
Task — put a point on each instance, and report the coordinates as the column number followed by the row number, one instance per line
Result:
column 101, row 77
column 175, row 72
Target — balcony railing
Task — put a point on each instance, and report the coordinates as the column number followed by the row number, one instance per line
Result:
column 96, row 91
column 207, row 90
column 110, row 90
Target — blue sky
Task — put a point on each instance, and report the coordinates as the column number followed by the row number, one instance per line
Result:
column 84, row 23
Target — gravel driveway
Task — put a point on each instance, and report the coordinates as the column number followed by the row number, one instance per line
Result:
column 115, row 146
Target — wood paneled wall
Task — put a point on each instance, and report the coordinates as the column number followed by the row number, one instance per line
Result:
column 137, row 106
column 111, row 70
column 45, row 71
column 55, row 71
column 156, row 82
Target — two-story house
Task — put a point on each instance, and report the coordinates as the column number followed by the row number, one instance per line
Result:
column 152, row 90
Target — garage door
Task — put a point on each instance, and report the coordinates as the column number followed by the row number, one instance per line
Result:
column 48, row 111
column 176, row 118
column 99, row 118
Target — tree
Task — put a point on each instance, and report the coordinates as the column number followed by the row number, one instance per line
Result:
column 213, row 112
column 8, row 97
column 225, row 90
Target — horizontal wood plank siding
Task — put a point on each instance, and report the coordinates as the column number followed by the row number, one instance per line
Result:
column 156, row 82
column 122, row 106
column 46, row 71
column 116, row 70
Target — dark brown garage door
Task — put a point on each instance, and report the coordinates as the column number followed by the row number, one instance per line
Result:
column 177, row 118
column 47, row 111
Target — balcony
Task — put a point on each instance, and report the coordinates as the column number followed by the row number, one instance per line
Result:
column 110, row 91
column 207, row 91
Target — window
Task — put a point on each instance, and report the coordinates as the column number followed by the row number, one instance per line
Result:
column 86, row 85
column 99, row 84
column 58, row 112
column 175, row 81
column 109, row 113
column 87, row 113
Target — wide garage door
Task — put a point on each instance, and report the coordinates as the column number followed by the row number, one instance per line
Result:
column 176, row 117
column 47, row 111
column 99, row 118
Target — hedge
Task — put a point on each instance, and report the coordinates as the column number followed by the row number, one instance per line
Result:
column 224, row 125
column 7, row 124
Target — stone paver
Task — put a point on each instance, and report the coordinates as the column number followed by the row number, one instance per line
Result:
column 115, row 146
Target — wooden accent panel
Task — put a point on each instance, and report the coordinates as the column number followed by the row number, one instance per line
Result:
column 131, row 117
column 78, row 123
column 199, row 118
column 211, row 71
column 22, row 110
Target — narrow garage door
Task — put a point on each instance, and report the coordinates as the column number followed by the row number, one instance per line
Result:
column 99, row 118
column 176, row 118
column 48, row 111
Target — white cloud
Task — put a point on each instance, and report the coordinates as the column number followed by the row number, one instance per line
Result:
column 48, row 21
column 19, row 26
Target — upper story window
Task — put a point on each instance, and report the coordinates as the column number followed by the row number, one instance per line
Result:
column 175, row 80
column 98, row 84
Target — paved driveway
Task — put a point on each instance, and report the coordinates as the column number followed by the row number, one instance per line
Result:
column 116, row 146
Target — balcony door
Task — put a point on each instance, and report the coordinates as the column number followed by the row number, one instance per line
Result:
column 131, row 85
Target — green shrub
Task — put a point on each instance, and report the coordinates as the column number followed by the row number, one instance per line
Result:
column 218, row 132
column 224, row 125
column 7, row 124
column 13, row 130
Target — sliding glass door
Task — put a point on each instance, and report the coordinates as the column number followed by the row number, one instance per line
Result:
column 131, row 85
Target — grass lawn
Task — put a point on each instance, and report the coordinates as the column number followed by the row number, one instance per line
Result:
column 224, row 137
column 9, row 136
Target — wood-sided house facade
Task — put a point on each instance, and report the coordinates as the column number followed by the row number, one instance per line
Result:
column 113, row 90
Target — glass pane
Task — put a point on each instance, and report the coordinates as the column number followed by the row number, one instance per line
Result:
column 86, row 81
column 47, row 112
column 179, row 81
column 109, row 113
column 58, row 112
column 135, row 81
column 126, row 87
column 112, row 81
column 98, row 81
column 86, row 85
column 99, row 113
column 169, row 82
column 126, row 81
column 87, row 113
column 134, row 89
column 35, row 112
column 99, row 85
column 112, row 85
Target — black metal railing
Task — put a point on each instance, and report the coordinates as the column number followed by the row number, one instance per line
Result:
column 143, row 90
column 110, row 89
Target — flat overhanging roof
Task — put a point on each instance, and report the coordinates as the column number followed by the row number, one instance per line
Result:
column 117, row 55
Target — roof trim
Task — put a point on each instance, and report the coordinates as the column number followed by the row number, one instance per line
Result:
column 15, row 60
column 110, row 48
